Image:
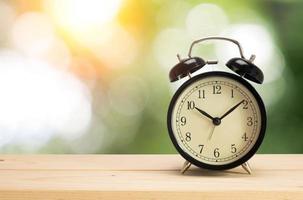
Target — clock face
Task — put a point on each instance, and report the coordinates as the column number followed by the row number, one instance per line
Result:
column 216, row 120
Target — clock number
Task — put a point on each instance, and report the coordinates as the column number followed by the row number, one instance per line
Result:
column 217, row 89
column 245, row 103
column 201, row 147
column 190, row 105
column 244, row 137
column 233, row 148
column 201, row 94
column 232, row 93
column 249, row 121
column 216, row 152
column 183, row 121
column 188, row 136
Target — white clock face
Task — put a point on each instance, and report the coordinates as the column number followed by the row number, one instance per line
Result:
column 216, row 120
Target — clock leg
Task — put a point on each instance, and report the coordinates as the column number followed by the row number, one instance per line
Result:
column 246, row 167
column 185, row 167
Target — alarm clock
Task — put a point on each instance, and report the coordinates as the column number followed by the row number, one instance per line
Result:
column 217, row 120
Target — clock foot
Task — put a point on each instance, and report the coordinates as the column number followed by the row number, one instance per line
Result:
column 185, row 167
column 246, row 167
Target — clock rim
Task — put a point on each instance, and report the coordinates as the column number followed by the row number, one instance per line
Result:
column 235, row 163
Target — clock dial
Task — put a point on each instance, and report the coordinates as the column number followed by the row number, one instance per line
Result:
column 216, row 119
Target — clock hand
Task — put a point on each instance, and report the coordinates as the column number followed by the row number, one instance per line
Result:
column 204, row 113
column 211, row 133
column 230, row 110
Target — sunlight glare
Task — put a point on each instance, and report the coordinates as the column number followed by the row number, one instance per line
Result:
column 80, row 15
column 39, row 101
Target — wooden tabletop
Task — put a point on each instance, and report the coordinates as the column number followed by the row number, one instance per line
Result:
column 145, row 177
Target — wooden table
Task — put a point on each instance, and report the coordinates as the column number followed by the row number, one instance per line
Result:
column 126, row 177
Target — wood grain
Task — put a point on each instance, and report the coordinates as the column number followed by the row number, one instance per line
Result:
column 145, row 177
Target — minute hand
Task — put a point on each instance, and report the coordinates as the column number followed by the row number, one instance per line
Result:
column 230, row 110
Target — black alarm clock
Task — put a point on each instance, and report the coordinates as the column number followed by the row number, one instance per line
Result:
column 217, row 120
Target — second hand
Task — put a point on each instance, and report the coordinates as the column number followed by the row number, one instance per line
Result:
column 211, row 133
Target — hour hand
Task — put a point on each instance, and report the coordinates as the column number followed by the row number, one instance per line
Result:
column 204, row 113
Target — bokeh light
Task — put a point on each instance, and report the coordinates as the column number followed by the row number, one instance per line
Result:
column 84, row 70
column 32, row 33
column 38, row 101
column 168, row 43
column 113, row 46
column 82, row 15
column 90, row 76
column 173, row 14
column 206, row 20
column 128, row 95
column 7, row 16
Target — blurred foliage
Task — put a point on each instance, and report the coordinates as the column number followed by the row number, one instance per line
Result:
column 129, row 101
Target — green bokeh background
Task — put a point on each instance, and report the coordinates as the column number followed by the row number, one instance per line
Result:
column 146, row 132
